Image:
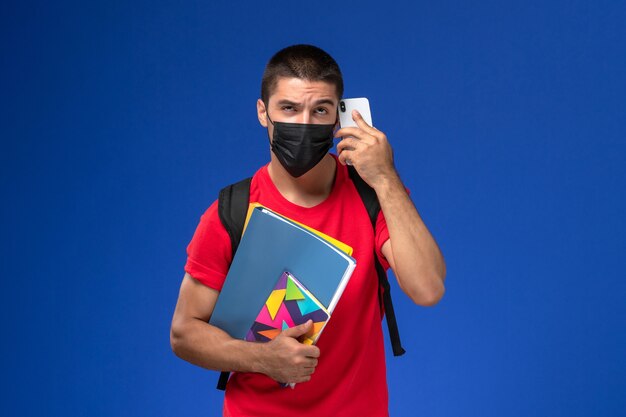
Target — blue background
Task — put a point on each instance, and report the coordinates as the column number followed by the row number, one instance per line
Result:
column 120, row 121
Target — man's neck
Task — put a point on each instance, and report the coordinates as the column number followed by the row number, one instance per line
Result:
column 309, row 189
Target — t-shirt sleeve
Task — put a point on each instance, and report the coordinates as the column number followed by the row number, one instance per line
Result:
column 382, row 235
column 209, row 253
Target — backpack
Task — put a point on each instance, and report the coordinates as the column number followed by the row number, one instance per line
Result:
column 232, row 209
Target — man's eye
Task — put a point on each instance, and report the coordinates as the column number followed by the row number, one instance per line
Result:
column 287, row 108
column 321, row 110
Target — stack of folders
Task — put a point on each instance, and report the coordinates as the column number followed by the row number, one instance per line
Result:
column 283, row 274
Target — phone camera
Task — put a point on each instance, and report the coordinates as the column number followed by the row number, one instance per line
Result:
column 342, row 106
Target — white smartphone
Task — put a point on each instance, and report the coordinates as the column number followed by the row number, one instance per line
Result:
column 362, row 105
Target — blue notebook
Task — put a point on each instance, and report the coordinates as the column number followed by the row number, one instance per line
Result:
column 270, row 245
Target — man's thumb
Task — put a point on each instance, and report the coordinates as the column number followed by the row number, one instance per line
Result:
column 299, row 330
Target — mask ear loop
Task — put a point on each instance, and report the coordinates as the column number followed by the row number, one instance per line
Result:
column 267, row 113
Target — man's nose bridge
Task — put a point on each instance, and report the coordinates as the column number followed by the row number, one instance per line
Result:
column 305, row 116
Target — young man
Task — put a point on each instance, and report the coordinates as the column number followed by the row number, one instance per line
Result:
column 344, row 375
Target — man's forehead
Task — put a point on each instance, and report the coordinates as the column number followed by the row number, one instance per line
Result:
column 297, row 89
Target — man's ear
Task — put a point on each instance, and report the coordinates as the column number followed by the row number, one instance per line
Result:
column 336, row 127
column 261, row 112
column 337, row 124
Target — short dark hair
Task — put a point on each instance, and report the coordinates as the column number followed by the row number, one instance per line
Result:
column 306, row 62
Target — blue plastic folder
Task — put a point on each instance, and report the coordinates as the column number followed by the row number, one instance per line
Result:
column 270, row 245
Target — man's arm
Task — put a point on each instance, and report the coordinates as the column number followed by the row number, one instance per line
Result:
column 411, row 251
column 283, row 359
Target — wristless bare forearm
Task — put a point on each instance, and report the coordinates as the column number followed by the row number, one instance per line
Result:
column 209, row 347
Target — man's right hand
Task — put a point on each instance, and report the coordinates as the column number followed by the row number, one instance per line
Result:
column 287, row 360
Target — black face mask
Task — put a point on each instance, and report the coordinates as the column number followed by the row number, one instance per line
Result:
column 300, row 146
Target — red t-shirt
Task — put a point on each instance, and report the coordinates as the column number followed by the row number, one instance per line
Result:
column 350, row 378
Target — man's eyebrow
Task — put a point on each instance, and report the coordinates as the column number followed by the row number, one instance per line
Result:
column 325, row 101
column 285, row 102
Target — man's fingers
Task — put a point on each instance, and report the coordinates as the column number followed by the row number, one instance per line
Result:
column 305, row 363
column 347, row 143
column 299, row 330
column 345, row 157
column 362, row 124
column 307, row 355
column 301, row 379
column 307, row 352
column 353, row 132
column 312, row 352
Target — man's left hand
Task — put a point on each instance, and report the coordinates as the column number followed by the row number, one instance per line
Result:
column 367, row 149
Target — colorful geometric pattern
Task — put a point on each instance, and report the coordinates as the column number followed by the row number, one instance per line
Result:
column 288, row 305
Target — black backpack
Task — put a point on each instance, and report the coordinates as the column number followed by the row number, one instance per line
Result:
column 232, row 208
